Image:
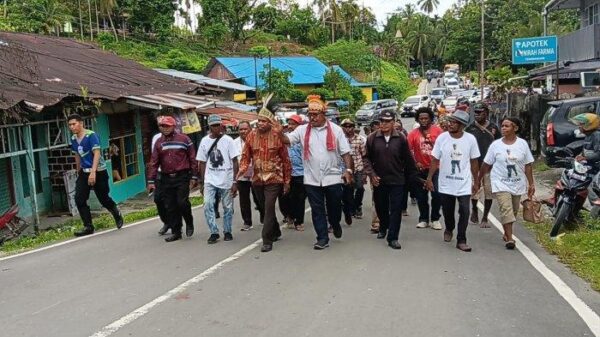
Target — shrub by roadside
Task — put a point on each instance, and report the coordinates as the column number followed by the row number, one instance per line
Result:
column 65, row 231
column 578, row 249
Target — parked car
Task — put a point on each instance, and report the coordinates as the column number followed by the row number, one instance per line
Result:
column 449, row 75
column 370, row 111
column 556, row 130
column 450, row 103
column 412, row 103
column 414, row 75
column 438, row 94
column 452, row 84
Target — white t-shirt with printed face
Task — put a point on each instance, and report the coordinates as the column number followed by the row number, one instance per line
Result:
column 219, row 164
column 508, row 166
column 455, row 156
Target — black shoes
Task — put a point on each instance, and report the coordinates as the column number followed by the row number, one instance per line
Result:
column 119, row 220
column 394, row 244
column 227, row 236
column 173, row 237
column 337, row 231
column 321, row 244
column 266, row 248
column 213, row 238
column 217, row 215
column 348, row 219
column 85, row 231
column 164, row 229
column 189, row 230
column 381, row 235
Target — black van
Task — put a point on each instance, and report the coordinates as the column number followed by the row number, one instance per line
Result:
column 556, row 131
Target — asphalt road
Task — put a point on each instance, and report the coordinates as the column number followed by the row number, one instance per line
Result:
column 129, row 283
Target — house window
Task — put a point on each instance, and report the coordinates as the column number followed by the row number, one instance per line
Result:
column 592, row 16
column 123, row 147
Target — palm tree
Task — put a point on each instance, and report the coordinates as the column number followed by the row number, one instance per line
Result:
column 53, row 13
column 334, row 14
column 428, row 6
column 107, row 7
column 350, row 13
column 419, row 37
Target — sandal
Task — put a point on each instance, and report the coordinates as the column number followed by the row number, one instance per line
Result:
column 300, row 228
column 510, row 244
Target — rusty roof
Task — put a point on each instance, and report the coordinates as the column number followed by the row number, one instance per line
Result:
column 44, row 69
column 229, row 113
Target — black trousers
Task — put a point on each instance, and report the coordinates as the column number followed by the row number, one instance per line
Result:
column 160, row 204
column 244, row 191
column 176, row 198
column 464, row 210
column 297, row 199
column 101, row 189
column 388, row 200
column 267, row 195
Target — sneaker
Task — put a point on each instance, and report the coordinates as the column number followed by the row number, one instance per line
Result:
column 337, row 232
column 436, row 225
column 320, row 245
column 348, row 219
column 246, row 228
column 422, row 224
column 213, row 238
column 227, row 236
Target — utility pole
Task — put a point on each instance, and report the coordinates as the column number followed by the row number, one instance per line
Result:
column 482, row 59
column 5, row 10
column 270, row 70
column 256, row 81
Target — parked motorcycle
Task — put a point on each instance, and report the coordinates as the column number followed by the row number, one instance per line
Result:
column 594, row 197
column 570, row 193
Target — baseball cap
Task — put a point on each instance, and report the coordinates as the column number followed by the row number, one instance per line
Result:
column 166, row 120
column 347, row 121
column 214, row 120
column 296, row 119
column 387, row 116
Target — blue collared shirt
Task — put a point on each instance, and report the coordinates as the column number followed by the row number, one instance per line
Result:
column 295, row 152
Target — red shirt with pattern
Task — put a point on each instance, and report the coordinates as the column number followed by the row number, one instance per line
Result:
column 420, row 143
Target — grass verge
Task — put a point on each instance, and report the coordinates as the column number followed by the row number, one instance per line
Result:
column 65, row 231
column 540, row 166
column 579, row 249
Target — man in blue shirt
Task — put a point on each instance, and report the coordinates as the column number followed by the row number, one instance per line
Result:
column 297, row 195
column 92, row 173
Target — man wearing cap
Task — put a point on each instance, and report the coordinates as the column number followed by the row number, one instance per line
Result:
column 389, row 165
column 297, row 195
column 218, row 166
column 272, row 169
column 175, row 154
column 91, row 174
column 324, row 146
column 455, row 153
column 353, row 194
column 485, row 132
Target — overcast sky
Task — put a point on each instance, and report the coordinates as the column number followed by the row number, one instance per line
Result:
column 383, row 8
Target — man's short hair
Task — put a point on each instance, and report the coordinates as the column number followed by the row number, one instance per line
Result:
column 75, row 117
column 424, row 110
column 245, row 122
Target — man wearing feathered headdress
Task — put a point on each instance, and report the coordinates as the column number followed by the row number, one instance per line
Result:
column 268, row 154
column 324, row 146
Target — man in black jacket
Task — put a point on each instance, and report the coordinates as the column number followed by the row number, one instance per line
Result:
column 389, row 164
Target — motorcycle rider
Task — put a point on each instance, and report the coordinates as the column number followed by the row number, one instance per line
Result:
column 589, row 124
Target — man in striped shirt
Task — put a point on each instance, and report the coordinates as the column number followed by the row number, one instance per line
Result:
column 175, row 154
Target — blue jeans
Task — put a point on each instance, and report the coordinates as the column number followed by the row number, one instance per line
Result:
column 388, row 200
column 210, row 192
column 320, row 198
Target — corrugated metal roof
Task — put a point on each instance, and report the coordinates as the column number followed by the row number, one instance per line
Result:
column 236, row 106
column 305, row 69
column 205, row 80
column 180, row 101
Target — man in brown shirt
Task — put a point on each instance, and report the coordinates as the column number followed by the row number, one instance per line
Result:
column 272, row 172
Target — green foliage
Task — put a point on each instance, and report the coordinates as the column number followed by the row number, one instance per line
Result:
column 395, row 82
column 215, row 34
column 259, row 51
column 578, row 249
column 177, row 55
column 323, row 92
column 297, row 96
column 298, row 24
column 353, row 57
column 155, row 16
column 276, row 81
column 498, row 75
column 335, row 82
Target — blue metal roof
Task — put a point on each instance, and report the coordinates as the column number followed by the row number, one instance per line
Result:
column 305, row 69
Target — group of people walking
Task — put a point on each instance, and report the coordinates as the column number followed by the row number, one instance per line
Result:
column 329, row 165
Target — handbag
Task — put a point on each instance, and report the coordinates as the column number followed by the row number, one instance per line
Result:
column 532, row 210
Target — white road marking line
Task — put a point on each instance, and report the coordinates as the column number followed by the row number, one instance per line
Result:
column 581, row 308
column 143, row 310
column 81, row 238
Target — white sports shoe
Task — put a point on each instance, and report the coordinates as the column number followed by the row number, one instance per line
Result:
column 436, row 225
column 422, row 225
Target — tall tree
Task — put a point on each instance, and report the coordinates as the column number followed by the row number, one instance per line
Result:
column 107, row 7
column 428, row 6
column 51, row 14
column 419, row 38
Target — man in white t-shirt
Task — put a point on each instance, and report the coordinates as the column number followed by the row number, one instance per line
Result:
column 218, row 165
column 455, row 153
